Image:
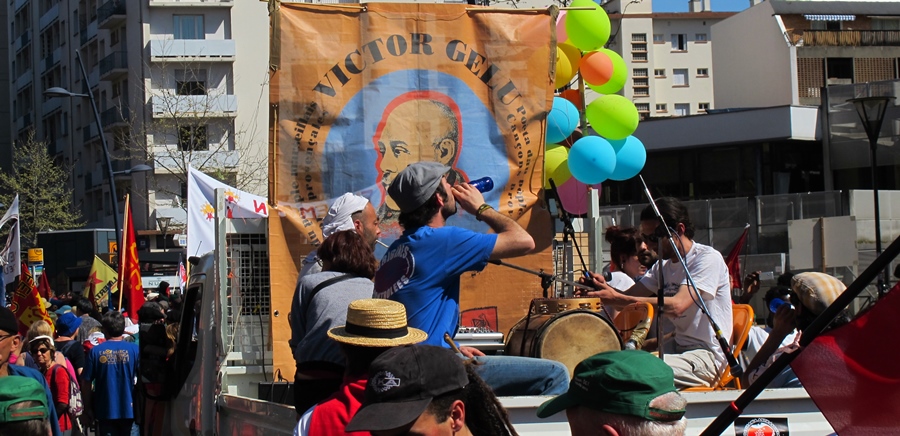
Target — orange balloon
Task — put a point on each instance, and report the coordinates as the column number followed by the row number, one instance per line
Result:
column 596, row 68
column 573, row 96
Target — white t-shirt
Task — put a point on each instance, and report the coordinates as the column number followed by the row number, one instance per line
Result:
column 620, row 281
column 710, row 274
column 302, row 428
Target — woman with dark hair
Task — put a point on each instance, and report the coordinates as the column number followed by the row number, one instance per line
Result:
column 348, row 265
column 626, row 247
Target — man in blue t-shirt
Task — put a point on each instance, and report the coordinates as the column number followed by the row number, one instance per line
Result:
column 421, row 269
column 112, row 367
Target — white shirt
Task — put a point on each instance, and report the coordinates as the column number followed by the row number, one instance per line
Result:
column 302, row 428
column 710, row 274
column 620, row 281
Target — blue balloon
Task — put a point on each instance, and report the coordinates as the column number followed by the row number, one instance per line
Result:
column 630, row 158
column 562, row 120
column 592, row 159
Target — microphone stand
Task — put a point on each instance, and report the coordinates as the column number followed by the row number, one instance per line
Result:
column 736, row 369
column 568, row 227
column 547, row 279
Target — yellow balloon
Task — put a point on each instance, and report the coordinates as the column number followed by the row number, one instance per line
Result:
column 564, row 70
column 556, row 165
column 573, row 53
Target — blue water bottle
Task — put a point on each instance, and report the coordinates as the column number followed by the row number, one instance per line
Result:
column 484, row 184
column 775, row 304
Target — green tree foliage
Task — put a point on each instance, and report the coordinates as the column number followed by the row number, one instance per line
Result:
column 45, row 200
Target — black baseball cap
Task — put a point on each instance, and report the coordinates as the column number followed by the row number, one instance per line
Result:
column 403, row 382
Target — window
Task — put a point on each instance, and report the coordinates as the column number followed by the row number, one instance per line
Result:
column 703, row 72
column 885, row 24
column 659, row 38
column 702, row 107
column 680, row 77
column 192, row 138
column 642, row 47
column 682, row 109
column 639, row 57
column 659, row 72
column 190, row 87
column 661, row 107
column 638, row 37
column 639, row 72
column 114, row 37
column 641, row 83
column 679, row 42
column 189, row 27
column 641, row 92
column 701, row 37
column 642, row 107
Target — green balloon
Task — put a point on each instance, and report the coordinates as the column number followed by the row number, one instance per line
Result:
column 619, row 76
column 612, row 116
column 556, row 165
column 587, row 29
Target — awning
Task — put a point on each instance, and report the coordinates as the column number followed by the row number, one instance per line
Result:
column 829, row 17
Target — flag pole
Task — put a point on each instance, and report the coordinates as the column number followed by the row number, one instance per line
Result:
column 815, row 328
column 123, row 248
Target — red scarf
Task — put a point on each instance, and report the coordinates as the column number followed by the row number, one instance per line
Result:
column 331, row 416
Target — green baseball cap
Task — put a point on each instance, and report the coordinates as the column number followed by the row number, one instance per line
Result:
column 15, row 389
column 621, row 382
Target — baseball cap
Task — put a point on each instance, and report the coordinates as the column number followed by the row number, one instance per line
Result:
column 817, row 290
column 63, row 309
column 416, row 184
column 67, row 324
column 621, row 382
column 15, row 389
column 403, row 382
column 8, row 321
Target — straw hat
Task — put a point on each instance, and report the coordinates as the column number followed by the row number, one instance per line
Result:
column 376, row 323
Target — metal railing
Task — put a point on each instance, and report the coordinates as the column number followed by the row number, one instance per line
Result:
column 846, row 38
column 110, row 8
column 116, row 60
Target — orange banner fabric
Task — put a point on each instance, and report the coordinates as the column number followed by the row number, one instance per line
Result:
column 360, row 93
column 130, row 286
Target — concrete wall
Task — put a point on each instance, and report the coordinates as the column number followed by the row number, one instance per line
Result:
column 754, row 65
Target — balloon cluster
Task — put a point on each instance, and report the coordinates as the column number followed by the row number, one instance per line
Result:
column 573, row 161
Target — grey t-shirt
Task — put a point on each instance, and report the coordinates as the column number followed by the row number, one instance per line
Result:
column 328, row 309
column 87, row 324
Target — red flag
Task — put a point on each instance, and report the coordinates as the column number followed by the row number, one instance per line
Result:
column 27, row 304
column 44, row 287
column 851, row 372
column 130, row 287
column 734, row 265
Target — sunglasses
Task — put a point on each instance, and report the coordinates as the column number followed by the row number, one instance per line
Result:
column 39, row 350
column 657, row 234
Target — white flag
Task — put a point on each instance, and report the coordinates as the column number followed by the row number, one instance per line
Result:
column 11, row 256
column 201, row 209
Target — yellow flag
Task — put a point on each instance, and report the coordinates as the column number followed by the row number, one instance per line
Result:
column 101, row 281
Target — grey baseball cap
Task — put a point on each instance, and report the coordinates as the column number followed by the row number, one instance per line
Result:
column 416, row 184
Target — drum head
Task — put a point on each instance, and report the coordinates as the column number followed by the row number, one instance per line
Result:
column 575, row 335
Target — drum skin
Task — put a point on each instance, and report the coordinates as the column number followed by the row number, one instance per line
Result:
column 568, row 337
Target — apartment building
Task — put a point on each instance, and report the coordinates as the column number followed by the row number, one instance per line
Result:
column 176, row 82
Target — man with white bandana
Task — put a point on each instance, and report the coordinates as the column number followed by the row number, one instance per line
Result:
column 348, row 212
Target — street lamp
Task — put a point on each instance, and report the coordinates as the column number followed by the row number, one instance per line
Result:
column 140, row 168
column 871, row 113
column 62, row 92
column 163, row 223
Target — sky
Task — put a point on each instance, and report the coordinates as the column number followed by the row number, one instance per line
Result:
column 717, row 5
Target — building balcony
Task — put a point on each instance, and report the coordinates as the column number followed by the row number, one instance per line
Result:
column 24, row 79
column 199, row 106
column 18, row 4
column 114, row 66
column 22, row 41
column 211, row 50
column 89, row 133
column 51, row 105
column 115, row 117
column 49, row 17
column 23, row 122
column 192, row 3
column 170, row 157
column 88, row 32
column 846, row 38
column 54, row 146
column 51, row 60
column 111, row 14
